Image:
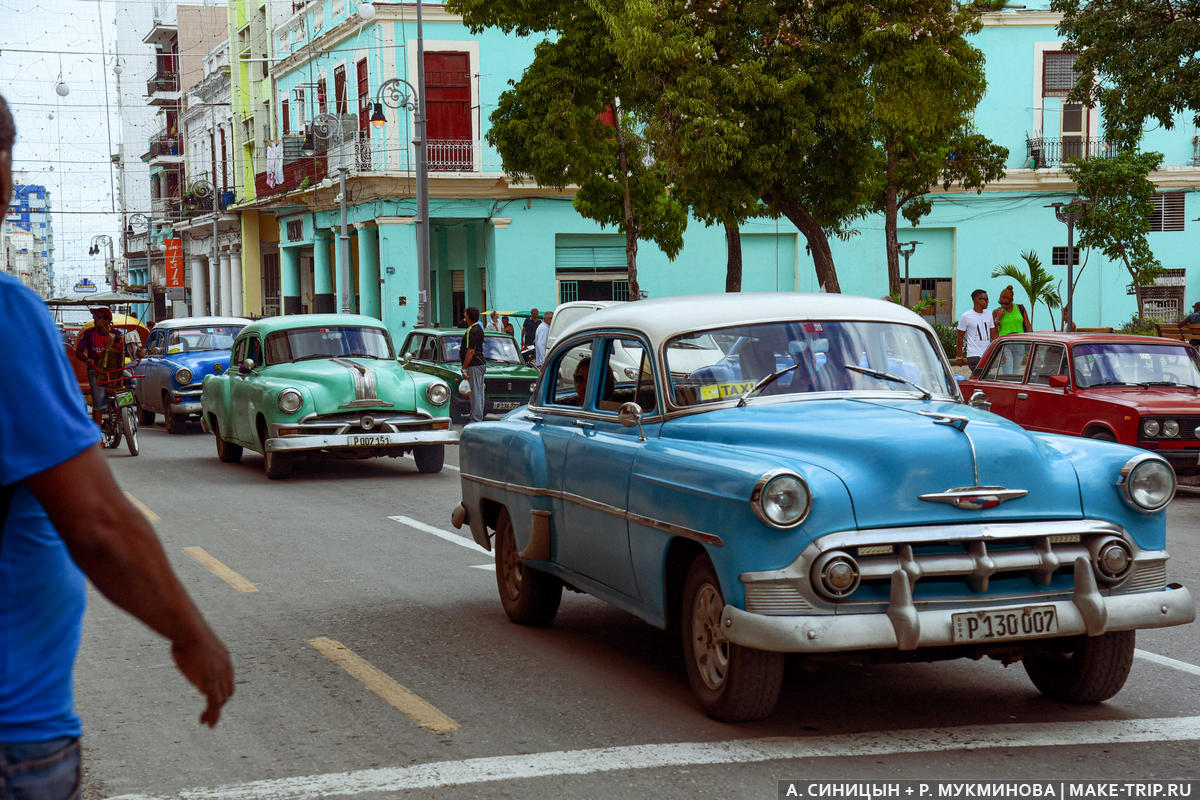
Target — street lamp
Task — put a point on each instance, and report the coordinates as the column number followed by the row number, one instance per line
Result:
column 324, row 127
column 201, row 188
column 110, row 260
column 1070, row 212
column 906, row 249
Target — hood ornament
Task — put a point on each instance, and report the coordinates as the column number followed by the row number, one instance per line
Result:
column 968, row 498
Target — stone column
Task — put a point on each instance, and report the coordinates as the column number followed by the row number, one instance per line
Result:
column 324, row 300
column 199, row 303
column 368, row 269
column 289, row 279
column 398, row 247
column 235, row 282
column 226, row 286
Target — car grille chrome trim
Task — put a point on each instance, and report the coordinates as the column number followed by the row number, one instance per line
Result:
column 341, row 424
column 366, row 389
column 1147, row 576
column 780, row 599
column 605, row 508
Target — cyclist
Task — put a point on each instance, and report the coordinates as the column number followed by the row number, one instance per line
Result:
column 91, row 349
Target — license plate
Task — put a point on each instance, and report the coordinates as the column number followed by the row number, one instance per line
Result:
column 505, row 405
column 124, row 399
column 1012, row 623
column 367, row 441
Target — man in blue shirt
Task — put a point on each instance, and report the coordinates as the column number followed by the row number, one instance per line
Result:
column 62, row 516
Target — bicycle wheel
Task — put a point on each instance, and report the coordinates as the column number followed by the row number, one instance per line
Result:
column 129, row 428
column 110, row 426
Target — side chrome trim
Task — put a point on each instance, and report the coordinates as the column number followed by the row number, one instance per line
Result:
column 974, row 498
column 604, row 508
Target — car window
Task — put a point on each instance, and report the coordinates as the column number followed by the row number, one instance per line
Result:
column 451, row 347
column 1119, row 364
column 155, row 345
column 629, row 377
column 572, row 375
column 500, row 350
column 239, row 352
column 1048, row 359
column 1008, row 363
column 254, row 350
column 331, row 341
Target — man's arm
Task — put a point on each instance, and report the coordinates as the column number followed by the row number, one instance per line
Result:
column 117, row 549
column 960, row 343
column 81, row 351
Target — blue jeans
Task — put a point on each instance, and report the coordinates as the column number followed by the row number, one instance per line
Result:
column 40, row 770
column 475, row 376
column 99, row 391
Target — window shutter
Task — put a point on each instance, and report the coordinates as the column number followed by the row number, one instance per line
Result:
column 1168, row 212
column 1058, row 74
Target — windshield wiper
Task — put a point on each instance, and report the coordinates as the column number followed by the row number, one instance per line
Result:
column 1148, row 384
column 887, row 376
column 311, row 356
column 1108, row 383
column 765, row 382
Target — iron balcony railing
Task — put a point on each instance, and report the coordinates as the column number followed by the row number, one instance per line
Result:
column 1048, row 153
column 162, row 82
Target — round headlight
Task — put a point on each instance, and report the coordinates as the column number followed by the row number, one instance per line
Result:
column 1112, row 558
column 1149, row 482
column 183, row 376
column 290, row 401
column 1150, row 428
column 781, row 499
column 1170, row 428
column 438, row 394
column 836, row 575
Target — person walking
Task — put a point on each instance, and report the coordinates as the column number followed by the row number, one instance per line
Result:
column 539, row 339
column 63, row 517
column 529, row 329
column 473, row 363
column 976, row 329
column 1008, row 319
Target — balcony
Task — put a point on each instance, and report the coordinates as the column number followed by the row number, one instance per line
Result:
column 164, row 151
column 1043, row 153
column 163, row 89
column 312, row 168
column 163, row 208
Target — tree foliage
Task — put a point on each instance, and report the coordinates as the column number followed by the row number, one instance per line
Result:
column 1139, row 58
column 1037, row 282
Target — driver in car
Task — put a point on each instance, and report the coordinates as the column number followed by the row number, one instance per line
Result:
column 91, row 348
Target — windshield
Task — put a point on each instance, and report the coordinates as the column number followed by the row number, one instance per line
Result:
column 498, row 349
column 209, row 337
column 1135, row 364
column 819, row 350
column 334, row 341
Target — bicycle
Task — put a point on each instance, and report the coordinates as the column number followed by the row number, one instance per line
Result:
column 118, row 418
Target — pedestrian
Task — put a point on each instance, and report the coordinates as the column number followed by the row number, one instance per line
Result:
column 493, row 321
column 1008, row 319
column 529, row 329
column 95, row 348
column 1194, row 317
column 63, row 517
column 473, row 363
column 539, row 341
column 506, row 326
column 975, row 328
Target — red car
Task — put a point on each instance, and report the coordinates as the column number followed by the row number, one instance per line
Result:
column 1137, row 390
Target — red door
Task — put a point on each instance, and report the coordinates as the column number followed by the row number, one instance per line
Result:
column 1004, row 375
column 448, row 111
column 1039, row 406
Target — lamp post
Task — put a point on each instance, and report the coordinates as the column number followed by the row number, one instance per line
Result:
column 1070, row 212
column 110, row 270
column 324, row 127
column 202, row 188
column 906, row 249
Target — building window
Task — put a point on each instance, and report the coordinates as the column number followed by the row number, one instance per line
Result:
column 1058, row 73
column 1058, row 257
column 339, row 89
column 568, row 291
column 322, row 103
column 448, row 111
column 1168, row 212
column 301, row 119
column 364, row 98
column 286, row 116
column 620, row 290
column 295, row 230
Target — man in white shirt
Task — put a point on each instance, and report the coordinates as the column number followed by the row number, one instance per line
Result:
column 539, row 339
column 976, row 328
column 493, row 323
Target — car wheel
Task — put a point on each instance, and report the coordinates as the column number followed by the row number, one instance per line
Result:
column 176, row 423
column 430, row 457
column 1103, row 436
column 228, row 452
column 733, row 683
column 1093, row 670
column 277, row 465
column 529, row 596
column 145, row 417
column 129, row 430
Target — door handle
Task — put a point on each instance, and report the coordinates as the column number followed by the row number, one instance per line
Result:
column 1022, row 396
column 583, row 423
column 536, row 418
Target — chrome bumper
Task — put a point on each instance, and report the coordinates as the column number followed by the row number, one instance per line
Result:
column 187, row 407
column 904, row 627
column 293, row 444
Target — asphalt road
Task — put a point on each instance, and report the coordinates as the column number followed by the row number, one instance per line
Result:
column 373, row 660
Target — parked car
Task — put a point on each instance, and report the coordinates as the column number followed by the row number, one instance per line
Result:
column 507, row 380
column 821, row 490
column 567, row 314
column 1136, row 390
column 179, row 353
column 324, row 384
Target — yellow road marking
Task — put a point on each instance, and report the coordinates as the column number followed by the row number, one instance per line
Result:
column 418, row 710
column 204, row 559
column 140, row 506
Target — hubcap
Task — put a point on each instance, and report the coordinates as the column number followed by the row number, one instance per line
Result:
column 710, row 648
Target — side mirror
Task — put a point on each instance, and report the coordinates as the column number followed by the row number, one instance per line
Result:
column 246, row 365
column 1060, row 381
column 630, row 414
column 979, row 400
column 407, row 357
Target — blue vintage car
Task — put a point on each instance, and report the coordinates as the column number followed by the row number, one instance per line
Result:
column 820, row 488
column 179, row 353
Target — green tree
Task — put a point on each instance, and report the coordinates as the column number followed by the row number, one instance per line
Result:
column 552, row 126
column 1035, row 280
column 1139, row 58
column 1118, row 219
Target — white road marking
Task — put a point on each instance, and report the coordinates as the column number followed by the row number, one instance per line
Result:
column 1182, row 666
column 491, row 567
column 142, row 507
column 680, row 754
column 461, row 541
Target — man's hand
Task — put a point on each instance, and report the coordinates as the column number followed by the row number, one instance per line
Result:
column 206, row 665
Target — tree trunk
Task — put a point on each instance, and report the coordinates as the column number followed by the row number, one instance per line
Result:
column 890, row 211
column 733, row 263
column 631, row 230
column 818, row 242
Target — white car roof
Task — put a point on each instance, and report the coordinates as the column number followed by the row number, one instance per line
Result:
column 193, row 322
column 665, row 317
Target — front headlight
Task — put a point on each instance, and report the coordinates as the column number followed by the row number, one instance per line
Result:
column 1147, row 483
column 438, row 394
column 1170, row 429
column 1150, row 428
column 290, row 401
column 781, row 499
column 183, row 376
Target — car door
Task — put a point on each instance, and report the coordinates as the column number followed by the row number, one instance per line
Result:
column 153, row 373
column 1003, row 376
column 1037, row 405
column 243, row 394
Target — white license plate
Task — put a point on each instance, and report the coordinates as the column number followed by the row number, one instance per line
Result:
column 1012, row 623
column 367, row 441
column 507, row 405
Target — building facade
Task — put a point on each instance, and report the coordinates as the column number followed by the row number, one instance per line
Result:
column 28, row 246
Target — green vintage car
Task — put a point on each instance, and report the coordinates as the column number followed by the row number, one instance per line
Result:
column 325, row 384
column 507, row 381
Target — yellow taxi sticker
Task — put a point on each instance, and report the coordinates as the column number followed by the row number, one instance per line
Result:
column 720, row 391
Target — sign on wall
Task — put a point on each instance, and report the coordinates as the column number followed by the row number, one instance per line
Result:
column 174, row 261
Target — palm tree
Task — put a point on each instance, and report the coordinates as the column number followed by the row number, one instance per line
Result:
column 1037, row 283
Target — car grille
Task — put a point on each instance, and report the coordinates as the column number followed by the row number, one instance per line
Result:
column 505, row 387
column 341, row 424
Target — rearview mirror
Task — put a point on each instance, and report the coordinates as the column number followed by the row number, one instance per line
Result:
column 1060, row 381
column 630, row 414
column 980, row 400
column 407, row 357
column 246, row 365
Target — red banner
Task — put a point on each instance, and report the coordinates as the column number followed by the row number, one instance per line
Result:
column 174, row 263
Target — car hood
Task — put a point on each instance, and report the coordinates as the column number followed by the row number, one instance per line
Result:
column 1153, row 400
column 332, row 384
column 201, row 362
column 887, row 454
column 497, row 369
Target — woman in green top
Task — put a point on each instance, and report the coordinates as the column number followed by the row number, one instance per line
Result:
column 1009, row 319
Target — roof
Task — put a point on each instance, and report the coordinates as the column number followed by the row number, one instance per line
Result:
column 1090, row 338
column 669, row 316
column 191, row 322
column 289, row 321
column 456, row 332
